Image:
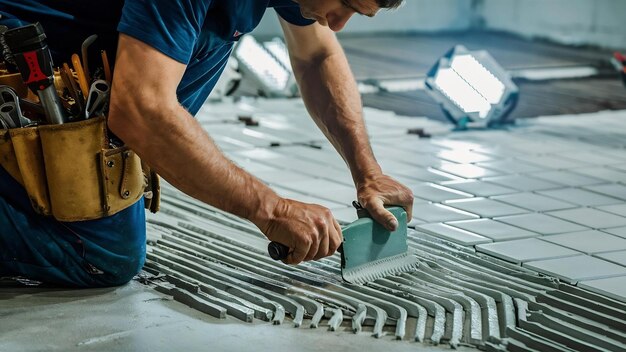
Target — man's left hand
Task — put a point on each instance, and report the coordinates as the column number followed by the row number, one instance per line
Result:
column 376, row 192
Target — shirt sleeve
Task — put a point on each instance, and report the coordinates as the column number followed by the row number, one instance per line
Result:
column 292, row 15
column 171, row 27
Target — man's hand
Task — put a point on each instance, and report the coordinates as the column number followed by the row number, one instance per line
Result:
column 377, row 191
column 309, row 230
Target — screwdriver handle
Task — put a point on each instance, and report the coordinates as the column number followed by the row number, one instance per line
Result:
column 32, row 56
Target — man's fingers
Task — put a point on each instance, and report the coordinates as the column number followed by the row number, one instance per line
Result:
column 322, row 250
column 383, row 216
column 336, row 239
column 298, row 254
column 314, row 248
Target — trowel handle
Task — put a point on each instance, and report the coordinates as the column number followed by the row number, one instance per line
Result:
column 279, row 251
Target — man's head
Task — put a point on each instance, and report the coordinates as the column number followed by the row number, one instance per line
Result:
column 336, row 13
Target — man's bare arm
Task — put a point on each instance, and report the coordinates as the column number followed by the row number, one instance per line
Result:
column 146, row 115
column 332, row 98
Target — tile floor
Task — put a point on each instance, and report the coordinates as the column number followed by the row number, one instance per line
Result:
column 547, row 194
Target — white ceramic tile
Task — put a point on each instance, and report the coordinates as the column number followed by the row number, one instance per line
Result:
column 305, row 198
column 614, row 287
column 410, row 157
column 325, row 189
column 618, row 257
column 611, row 190
column 591, row 157
column 552, row 162
column 345, row 215
column 254, row 167
column 467, row 170
column 396, row 165
column 326, row 156
column 603, row 173
column 478, row 188
column 427, row 175
column 588, row 242
column 618, row 231
column 580, row 197
column 522, row 183
column 495, row 230
column 519, row 251
column 432, row 213
column 436, row 193
column 421, row 159
column 542, row 224
column 498, row 151
column 259, row 154
column 534, row 202
column 453, row 144
column 463, row 156
column 277, row 177
column 590, row 217
column 507, row 167
column 578, row 268
column 567, row 178
column 486, row 208
column 313, row 186
column 618, row 209
column 453, row 234
column 313, row 169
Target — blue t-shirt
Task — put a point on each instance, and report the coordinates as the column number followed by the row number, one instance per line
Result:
column 198, row 33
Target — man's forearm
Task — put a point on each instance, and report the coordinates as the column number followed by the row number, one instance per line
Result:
column 173, row 143
column 332, row 98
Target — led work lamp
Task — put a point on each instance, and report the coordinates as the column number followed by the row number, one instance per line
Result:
column 265, row 68
column 472, row 89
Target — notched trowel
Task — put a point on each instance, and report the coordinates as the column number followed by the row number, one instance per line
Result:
column 369, row 251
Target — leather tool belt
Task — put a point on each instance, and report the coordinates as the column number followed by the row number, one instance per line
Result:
column 71, row 172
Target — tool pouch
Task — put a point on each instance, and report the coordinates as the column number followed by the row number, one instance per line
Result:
column 69, row 171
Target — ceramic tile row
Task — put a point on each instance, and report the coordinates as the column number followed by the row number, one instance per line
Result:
column 525, row 187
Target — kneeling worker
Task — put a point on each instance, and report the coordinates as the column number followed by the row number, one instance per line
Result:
column 170, row 54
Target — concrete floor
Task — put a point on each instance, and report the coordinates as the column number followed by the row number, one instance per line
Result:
column 137, row 318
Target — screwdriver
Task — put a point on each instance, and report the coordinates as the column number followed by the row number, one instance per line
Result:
column 32, row 55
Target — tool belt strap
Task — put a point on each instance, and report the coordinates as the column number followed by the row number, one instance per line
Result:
column 71, row 173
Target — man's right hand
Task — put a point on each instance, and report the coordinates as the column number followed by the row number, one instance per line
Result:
column 310, row 231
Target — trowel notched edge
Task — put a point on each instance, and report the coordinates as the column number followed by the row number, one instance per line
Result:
column 371, row 252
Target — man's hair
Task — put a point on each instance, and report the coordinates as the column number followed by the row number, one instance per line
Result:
column 389, row 4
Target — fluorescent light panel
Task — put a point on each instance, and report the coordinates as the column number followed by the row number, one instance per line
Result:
column 478, row 77
column 267, row 68
column 279, row 50
column 461, row 93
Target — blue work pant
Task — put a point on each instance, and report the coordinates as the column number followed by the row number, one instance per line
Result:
column 95, row 253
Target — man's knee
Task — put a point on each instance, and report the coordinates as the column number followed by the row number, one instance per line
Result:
column 117, row 272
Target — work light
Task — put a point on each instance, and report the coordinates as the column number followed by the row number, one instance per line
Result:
column 472, row 89
column 264, row 68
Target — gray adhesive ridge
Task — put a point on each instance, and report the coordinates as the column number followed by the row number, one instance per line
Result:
column 381, row 268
